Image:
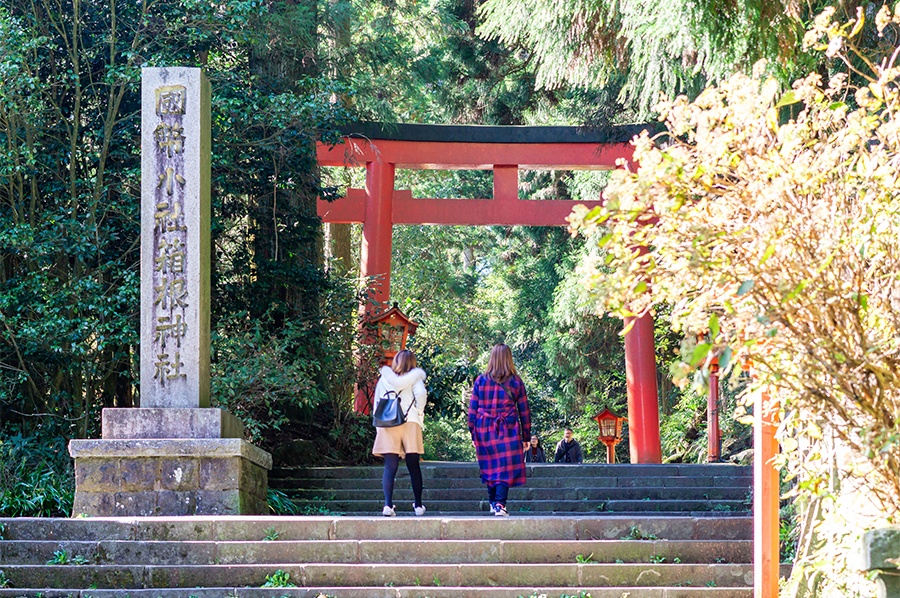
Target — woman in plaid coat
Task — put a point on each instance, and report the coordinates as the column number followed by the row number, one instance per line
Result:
column 500, row 424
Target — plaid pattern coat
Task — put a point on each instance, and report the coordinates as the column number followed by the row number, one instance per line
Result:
column 499, row 424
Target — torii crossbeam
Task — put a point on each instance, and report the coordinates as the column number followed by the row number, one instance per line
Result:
column 505, row 150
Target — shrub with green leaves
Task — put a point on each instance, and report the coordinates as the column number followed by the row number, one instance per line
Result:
column 36, row 477
column 280, row 504
column 279, row 579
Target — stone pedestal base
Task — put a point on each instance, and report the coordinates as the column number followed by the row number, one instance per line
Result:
column 126, row 424
column 880, row 548
column 146, row 477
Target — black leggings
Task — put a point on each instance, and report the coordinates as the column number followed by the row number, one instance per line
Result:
column 391, row 464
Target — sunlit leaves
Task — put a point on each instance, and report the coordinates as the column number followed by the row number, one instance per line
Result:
column 786, row 248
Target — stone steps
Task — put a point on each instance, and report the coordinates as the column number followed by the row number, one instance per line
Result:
column 390, row 592
column 349, row 557
column 551, row 489
column 573, row 575
column 738, row 493
column 437, row 507
column 125, row 552
column 255, row 529
column 374, row 483
column 447, row 469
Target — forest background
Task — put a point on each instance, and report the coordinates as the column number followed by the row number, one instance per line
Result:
column 285, row 292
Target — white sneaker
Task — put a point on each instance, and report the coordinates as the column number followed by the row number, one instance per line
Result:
column 500, row 511
column 419, row 510
column 388, row 511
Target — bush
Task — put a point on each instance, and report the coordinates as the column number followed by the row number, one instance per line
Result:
column 258, row 376
column 36, row 477
column 292, row 381
column 448, row 439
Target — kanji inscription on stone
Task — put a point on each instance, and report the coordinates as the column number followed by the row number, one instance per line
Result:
column 175, row 149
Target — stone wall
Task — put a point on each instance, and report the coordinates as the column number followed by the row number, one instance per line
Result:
column 169, row 477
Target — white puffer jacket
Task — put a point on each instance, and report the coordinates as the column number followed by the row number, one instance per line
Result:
column 410, row 387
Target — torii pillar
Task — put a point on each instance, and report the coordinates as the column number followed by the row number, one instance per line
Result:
column 384, row 148
column 643, row 399
column 375, row 262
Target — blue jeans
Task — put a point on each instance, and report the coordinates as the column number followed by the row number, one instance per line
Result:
column 498, row 493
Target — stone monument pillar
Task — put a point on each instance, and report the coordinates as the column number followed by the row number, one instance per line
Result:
column 174, row 455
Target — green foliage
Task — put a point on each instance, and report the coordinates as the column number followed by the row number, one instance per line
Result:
column 258, row 376
column 447, row 438
column 444, row 381
column 60, row 557
column 683, row 432
column 655, row 47
column 585, row 350
column 788, row 532
column 36, row 477
column 69, row 104
column 420, row 61
column 271, row 535
column 279, row 579
column 581, row 594
column 4, row 580
column 319, row 509
column 279, row 504
column 581, row 559
column 291, row 381
column 636, row 533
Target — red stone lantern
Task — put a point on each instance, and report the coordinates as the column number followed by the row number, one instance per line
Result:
column 610, row 431
column 394, row 328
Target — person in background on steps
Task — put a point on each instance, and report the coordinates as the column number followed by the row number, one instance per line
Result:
column 535, row 452
column 500, row 425
column 568, row 450
column 404, row 441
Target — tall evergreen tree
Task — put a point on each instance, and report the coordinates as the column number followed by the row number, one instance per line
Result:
column 658, row 46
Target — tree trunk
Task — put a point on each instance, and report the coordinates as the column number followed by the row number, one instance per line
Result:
column 338, row 246
column 286, row 235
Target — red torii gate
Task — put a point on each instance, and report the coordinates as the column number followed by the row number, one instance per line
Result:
column 382, row 148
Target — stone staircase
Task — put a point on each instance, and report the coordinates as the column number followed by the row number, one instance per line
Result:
column 641, row 531
column 601, row 555
column 455, row 489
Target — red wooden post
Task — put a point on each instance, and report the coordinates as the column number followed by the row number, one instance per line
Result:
column 712, row 415
column 766, row 553
column 506, row 183
column 377, row 229
column 375, row 254
column 643, row 401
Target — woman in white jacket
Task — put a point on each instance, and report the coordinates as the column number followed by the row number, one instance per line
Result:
column 405, row 441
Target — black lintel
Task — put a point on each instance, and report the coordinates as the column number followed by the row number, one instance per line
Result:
column 496, row 134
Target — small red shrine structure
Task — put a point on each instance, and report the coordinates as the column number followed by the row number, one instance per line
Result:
column 394, row 329
column 383, row 148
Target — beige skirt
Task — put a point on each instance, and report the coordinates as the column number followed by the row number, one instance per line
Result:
column 399, row 440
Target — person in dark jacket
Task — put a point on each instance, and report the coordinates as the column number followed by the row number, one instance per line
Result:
column 535, row 452
column 568, row 450
column 500, row 425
